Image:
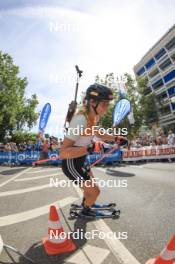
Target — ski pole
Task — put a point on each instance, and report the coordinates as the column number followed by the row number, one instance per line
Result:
column 104, row 156
column 45, row 160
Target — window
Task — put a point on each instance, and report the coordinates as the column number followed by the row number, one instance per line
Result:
column 165, row 64
column 159, row 54
column 171, row 91
column 171, row 44
column 162, row 98
column 173, row 57
column 150, row 63
column 147, row 91
column 169, row 76
column 165, row 110
column 153, row 73
column 141, row 71
column 162, row 95
column 157, row 84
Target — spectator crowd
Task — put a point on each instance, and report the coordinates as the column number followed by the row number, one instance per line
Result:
column 54, row 144
column 51, row 144
column 148, row 140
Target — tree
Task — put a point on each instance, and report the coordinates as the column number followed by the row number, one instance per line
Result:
column 20, row 136
column 16, row 111
column 143, row 106
column 148, row 103
column 106, row 120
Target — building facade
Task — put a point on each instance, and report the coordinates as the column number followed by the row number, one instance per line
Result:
column 158, row 66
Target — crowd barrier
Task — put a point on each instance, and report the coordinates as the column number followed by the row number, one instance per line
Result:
column 134, row 154
column 29, row 157
column 149, row 153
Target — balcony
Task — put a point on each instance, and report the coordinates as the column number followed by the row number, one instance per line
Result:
column 147, row 91
column 158, row 84
column 162, row 102
column 151, row 69
column 171, row 44
column 164, row 118
column 160, row 54
column 165, row 65
column 165, row 111
column 162, row 99
column 173, row 56
column 155, row 78
column 169, row 75
column 162, row 58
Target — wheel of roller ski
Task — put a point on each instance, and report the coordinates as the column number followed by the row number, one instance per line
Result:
column 73, row 214
column 73, row 205
column 116, row 214
column 112, row 204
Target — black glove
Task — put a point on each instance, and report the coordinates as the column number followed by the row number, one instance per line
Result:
column 90, row 148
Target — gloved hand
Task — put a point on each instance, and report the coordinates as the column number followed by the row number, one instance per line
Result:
column 121, row 141
column 90, row 148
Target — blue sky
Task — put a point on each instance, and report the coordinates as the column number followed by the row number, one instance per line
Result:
column 47, row 40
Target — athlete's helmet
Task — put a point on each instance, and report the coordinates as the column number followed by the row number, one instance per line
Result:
column 99, row 92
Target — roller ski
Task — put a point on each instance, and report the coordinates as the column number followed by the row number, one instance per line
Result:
column 94, row 213
column 108, row 207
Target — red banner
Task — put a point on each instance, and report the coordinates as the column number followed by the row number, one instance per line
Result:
column 154, row 152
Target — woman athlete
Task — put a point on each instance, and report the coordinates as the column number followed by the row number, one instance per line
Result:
column 76, row 146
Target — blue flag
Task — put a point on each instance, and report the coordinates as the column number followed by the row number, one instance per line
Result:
column 121, row 109
column 44, row 117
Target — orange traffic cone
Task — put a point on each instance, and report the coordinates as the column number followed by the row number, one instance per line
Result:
column 56, row 242
column 167, row 256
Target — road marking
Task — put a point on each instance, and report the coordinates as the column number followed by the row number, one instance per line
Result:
column 1, row 244
column 121, row 253
column 80, row 257
column 38, row 177
column 135, row 166
column 58, row 169
column 27, row 215
column 92, row 253
column 16, row 176
column 26, row 190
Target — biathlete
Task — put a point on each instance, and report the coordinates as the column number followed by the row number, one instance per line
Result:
column 76, row 146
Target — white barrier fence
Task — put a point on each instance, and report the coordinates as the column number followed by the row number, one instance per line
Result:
column 149, row 153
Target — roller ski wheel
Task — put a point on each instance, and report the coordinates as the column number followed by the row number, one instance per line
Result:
column 110, row 206
column 116, row 213
column 98, row 215
column 73, row 214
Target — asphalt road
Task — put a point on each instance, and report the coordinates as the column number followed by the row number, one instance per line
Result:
column 144, row 193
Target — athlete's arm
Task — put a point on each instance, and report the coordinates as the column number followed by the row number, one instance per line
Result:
column 68, row 151
column 108, row 137
column 105, row 137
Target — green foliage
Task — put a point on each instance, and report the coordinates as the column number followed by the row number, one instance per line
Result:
column 46, row 135
column 16, row 111
column 147, row 104
column 21, row 136
column 106, row 120
column 143, row 106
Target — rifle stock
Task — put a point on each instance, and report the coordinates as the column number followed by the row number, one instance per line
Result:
column 73, row 104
